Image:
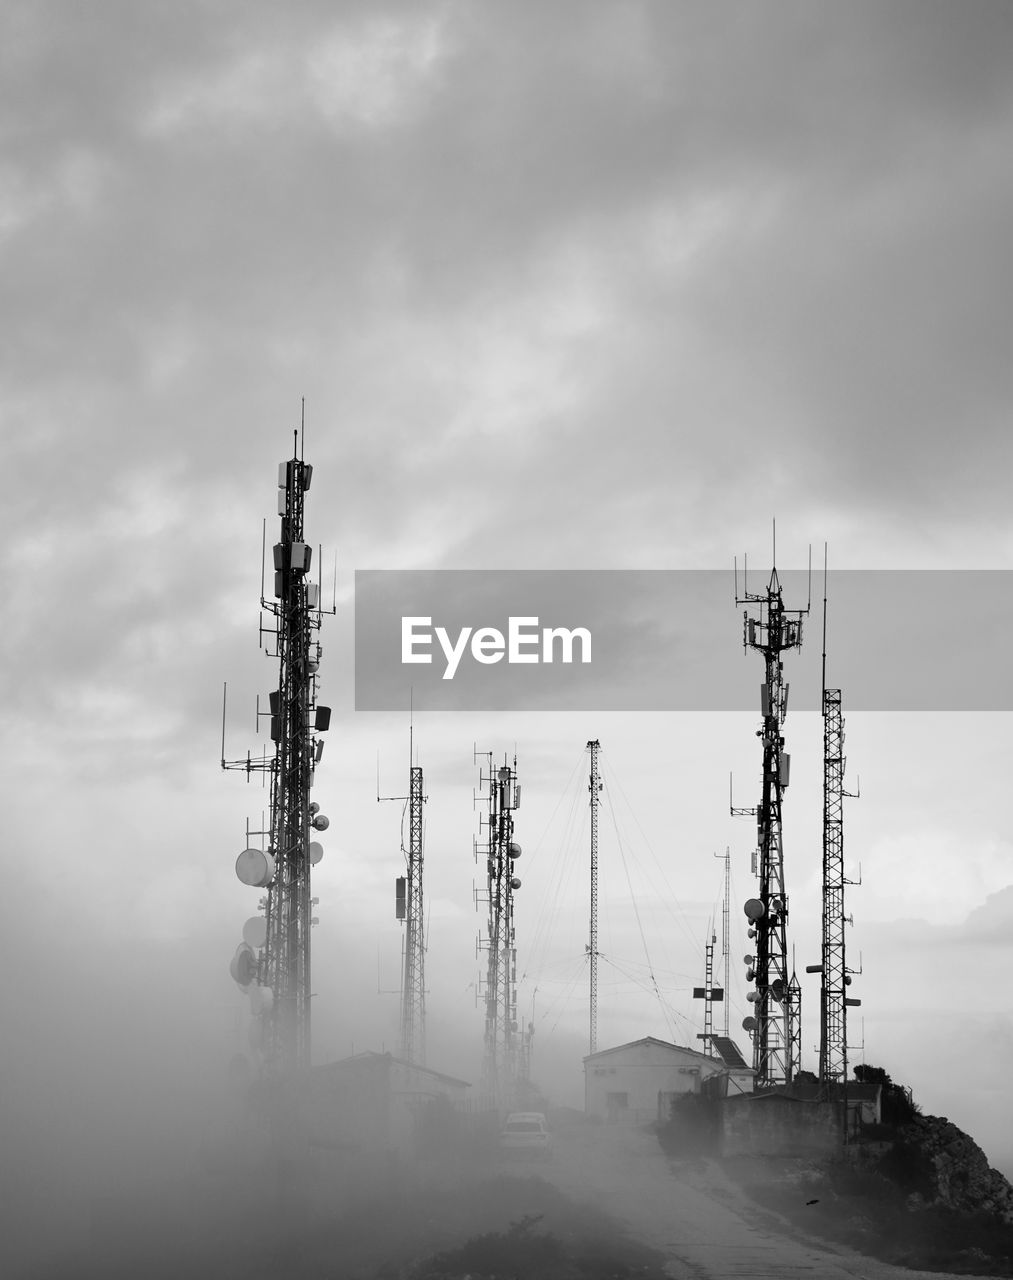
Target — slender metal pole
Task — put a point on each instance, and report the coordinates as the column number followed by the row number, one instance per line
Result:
column 592, row 948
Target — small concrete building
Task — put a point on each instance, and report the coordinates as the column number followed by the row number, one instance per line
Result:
column 374, row 1102
column 797, row 1119
column 777, row 1122
column 635, row 1083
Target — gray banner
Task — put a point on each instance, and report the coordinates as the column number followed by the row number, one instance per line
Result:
column 672, row 640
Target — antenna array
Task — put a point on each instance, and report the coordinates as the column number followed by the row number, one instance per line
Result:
column 773, row 630
column 500, row 1060
column 277, row 976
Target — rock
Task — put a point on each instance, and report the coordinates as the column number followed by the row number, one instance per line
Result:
column 942, row 1166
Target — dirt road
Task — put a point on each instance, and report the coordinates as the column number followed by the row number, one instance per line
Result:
column 705, row 1227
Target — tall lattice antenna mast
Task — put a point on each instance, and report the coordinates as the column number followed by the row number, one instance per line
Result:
column 273, row 963
column 725, row 929
column 500, row 1058
column 708, row 993
column 409, row 907
column 413, row 989
column 794, row 1010
column 773, row 630
column 836, row 977
column 592, row 947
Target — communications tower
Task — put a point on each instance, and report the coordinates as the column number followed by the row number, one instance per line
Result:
column 273, row 962
column 408, row 898
column 592, row 948
column 770, row 632
column 726, row 930
column 710, row 995
column 836, row 977
column 500, row 1059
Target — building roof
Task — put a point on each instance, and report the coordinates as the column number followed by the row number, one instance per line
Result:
column 662, row 1044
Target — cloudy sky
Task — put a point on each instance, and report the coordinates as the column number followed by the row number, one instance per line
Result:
column 574, row 286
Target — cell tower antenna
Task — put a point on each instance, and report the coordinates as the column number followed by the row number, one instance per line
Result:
column 500, row 1062
column 592, row 949
column 770, row 632
column 275, row 968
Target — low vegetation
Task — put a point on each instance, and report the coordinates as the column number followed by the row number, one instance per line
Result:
column 863, row 1208
column 528, row 1253
column 913, row 1190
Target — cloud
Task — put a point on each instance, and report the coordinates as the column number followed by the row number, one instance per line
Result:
column 563, row 286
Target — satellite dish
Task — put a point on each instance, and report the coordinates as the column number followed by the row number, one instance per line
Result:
column 752, row 996
column 514, row 849
column 747, row 959
column 316, row 852
column 753, row 908
column 749, row 1024
column 314, row 808
column 320, row 822
column 255, row 932
column 244, row 965
column 255, row 868
column 515, row 882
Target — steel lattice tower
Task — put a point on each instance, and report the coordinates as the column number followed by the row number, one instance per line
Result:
column 592, row 949
column 833, row 1008
column 282, row 969
column 774, row 630
column 726, row 931
column 794, row 1009
column 836, row 977
column 500, row 1060
column 413, row 986
column 834, row 999
column 708, row 993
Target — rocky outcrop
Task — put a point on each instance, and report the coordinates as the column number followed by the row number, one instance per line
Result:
column 944, row 1168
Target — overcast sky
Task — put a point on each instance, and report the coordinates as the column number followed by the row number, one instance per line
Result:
column 568, row 285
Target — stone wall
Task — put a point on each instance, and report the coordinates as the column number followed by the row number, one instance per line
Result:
column 775, row 1125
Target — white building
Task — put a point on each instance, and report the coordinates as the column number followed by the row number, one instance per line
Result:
column 636, row 1082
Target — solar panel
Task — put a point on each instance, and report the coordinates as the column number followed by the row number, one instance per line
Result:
column 728, row 1051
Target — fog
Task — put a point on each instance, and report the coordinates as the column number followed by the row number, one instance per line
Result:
column 569, row 286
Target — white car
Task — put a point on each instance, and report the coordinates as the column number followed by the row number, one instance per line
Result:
column 526, row 1133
